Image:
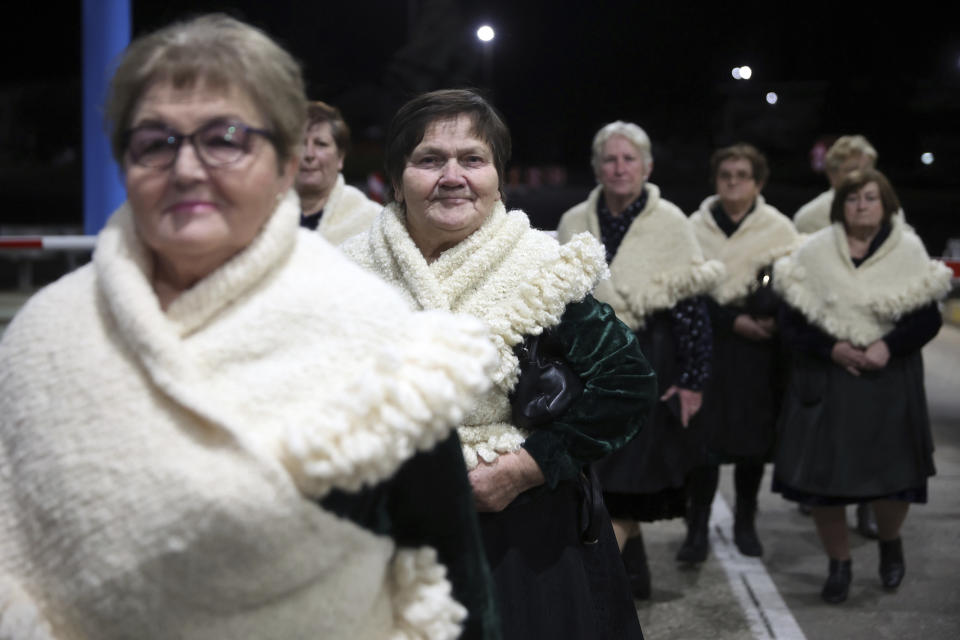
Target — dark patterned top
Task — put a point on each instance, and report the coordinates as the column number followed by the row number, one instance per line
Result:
column 311, row 221
column 614, row 228
column 689, row 318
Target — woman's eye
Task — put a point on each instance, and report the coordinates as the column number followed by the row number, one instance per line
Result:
column 474, row 160
column 428, row 161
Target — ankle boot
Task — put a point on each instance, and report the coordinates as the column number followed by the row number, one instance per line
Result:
column 837, row 586
column 866, row 521
column 638, row 572
column 892, row 566
column 694, row 547
column 744, row 530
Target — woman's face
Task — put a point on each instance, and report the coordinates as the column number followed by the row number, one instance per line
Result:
column 321, row 161
column 736, row 185
column 622, row 170
column 190, row 212
column 863, row 209
column 450, row 184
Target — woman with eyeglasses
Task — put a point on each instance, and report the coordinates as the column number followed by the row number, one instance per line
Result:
column 199, row 437
column 740, row 402
column 860, row 300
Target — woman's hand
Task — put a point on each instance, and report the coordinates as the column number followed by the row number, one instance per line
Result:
column 497, row 483
column 849, row 357
column 754, row 329
column 877, row 354
column 690, row 402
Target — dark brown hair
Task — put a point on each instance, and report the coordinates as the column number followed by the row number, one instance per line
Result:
column 857, row 180
column 758, row 162
column 318, row 111
column 410, row 124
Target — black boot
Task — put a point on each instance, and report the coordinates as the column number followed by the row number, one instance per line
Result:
column 892, row 566
column 694, row 547
column 837, row 586
column 744, row 530
column 866, row 521
column 638, row 573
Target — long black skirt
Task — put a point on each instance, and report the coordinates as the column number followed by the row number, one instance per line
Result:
column 549, row 583
column 854, row 436
column 644, row 480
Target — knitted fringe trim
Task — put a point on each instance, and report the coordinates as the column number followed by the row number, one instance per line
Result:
column 488, row 442
column 20, row 617
column 667, row 289
column 542, row 301
column 423, row 604
column 409, row 402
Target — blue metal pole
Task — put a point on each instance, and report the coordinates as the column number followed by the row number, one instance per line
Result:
column 106, row 32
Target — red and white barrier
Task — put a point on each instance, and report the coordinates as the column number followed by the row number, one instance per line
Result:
column 53, row 243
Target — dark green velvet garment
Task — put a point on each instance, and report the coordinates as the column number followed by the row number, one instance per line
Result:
column 429, row 501
column 620, row 391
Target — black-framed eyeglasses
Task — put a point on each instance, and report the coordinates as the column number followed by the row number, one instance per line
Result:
column 218, row 143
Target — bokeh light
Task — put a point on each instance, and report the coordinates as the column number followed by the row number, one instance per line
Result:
column 485, row 33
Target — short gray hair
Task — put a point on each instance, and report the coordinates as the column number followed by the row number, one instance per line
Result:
column 847, row 146
column 637, row 137
column 222, row 52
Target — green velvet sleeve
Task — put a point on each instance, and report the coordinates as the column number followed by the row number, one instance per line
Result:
column 620, row 391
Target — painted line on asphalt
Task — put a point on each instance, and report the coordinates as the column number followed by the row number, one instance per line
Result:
column 766, row 612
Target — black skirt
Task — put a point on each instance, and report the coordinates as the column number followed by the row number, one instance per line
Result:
column 644, row 480
column 851, row 437
column 549, row 583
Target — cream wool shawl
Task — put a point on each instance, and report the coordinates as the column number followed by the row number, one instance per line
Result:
column 346, row 213
column 860, row 304
column 814, row 215
column 159, row 470
column 514, row 278
column 658, row 263
column 763, row 236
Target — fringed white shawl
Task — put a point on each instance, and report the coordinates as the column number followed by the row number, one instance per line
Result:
column 814, row 215
column 158, row 470
column 658, row 263
column 514, row 278
column 763, row 236
column 860, row 304
column 346, row 213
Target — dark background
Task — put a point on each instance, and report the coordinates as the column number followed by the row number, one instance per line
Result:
column 558, row 71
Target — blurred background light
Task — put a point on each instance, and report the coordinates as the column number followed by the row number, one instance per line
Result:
column 485, row 33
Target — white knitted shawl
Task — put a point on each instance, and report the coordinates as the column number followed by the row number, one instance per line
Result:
column 763, row 236
column 346, row 213
column 514, row 278
column 814, row 215
column 860, row 304
column 159, row 470
column 658, row 263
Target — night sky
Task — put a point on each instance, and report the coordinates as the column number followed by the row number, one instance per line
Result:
column 558, row 71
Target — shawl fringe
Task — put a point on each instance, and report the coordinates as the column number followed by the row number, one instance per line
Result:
column 20, row 617
column 424, row 607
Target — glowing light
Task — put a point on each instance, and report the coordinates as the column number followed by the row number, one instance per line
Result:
column 746, row 72
column 485, row 33
column 772, row 97
column 927, row 158
column 735, row 73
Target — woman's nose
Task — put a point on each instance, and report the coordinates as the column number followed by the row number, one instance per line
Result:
column 187, row 166
column 451, row 173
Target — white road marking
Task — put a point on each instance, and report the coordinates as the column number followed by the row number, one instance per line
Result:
column 767, row 613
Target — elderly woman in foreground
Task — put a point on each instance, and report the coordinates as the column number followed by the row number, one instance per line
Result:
column 199, row 437
column 657, row 273
column 448, row 243
column 862, row 302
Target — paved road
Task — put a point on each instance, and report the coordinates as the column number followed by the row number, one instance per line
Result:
column 732, row 598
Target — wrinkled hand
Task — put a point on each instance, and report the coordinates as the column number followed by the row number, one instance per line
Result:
column 849, row 357
column 690, row 402
column 754, row 329
column 497, row 483
column 877, row 355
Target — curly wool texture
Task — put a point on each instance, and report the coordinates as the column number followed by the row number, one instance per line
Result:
column 212, row 417
column 346, row 213
column 20, row 618
column 423, row 606
column 518, row 281
column 658, row 263
column 860, row 304
column 763, row 236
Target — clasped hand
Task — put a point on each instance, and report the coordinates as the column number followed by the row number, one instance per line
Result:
column 855, row 360
column 753, row 328
column 496, row 484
